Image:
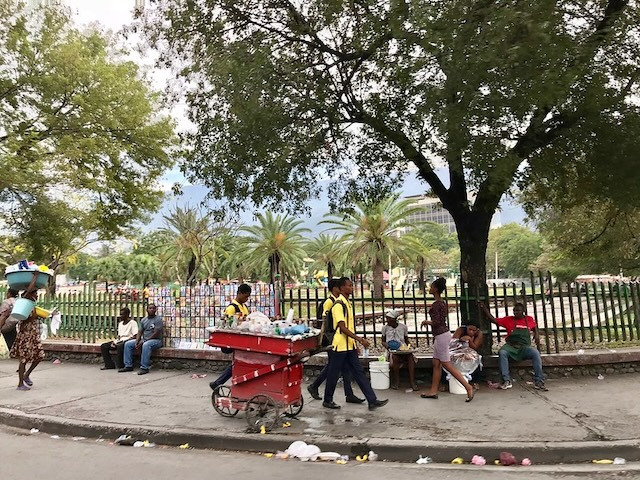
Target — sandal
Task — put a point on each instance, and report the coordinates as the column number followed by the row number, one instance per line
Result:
column 434, row 397
column 24, row 388
column 471, row 397
column 27, row 381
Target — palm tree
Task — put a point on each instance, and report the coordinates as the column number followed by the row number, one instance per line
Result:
column 371, row 234
column 191, row 240
column 323, row 250
column 275, row 243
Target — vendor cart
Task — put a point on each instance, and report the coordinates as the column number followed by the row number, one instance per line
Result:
column 266, row 377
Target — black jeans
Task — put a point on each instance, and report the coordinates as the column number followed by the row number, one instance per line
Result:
column 337, row 361
column 346, row 378
column 106, row 348
column 10, row 337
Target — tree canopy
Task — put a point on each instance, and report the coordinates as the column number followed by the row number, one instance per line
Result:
column 502, row 93
column 82, row 137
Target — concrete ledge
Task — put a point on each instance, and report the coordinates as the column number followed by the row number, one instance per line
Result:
column 566, row 360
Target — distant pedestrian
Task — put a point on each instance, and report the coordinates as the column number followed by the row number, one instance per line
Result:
column 8, row 323
column 345, row 351
column 28, row 347
column 439, row 314
column 127, row 330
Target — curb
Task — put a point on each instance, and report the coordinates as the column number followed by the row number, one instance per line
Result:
column 406, row 451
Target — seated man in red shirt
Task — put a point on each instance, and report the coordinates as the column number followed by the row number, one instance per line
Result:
column 518, row 344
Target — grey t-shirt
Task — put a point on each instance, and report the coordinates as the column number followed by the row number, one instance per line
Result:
column 150, row 326
column 399, row 333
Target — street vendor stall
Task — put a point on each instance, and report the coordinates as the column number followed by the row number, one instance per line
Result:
column 266, row 374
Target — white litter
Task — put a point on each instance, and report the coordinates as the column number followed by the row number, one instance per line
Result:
column 34, row 430
column 77, row 439
column 619, row 461
column 373, row 457
column 138, row 444
column 304, row 452
column 424, row 460
column 581, row 352
column 55, row 437
column 600, row 376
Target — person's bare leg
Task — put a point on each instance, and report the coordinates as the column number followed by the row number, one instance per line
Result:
column 33, row 366
column 411, row 366
column 395, row 368
column 435, row 379
column 458, row 376
column 21, row 367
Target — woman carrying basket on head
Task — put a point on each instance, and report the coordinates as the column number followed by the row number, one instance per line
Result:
column 28, row 348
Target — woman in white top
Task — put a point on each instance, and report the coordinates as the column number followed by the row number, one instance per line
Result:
column 127, row 330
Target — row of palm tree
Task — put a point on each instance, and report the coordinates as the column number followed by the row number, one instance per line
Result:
column 359, row 241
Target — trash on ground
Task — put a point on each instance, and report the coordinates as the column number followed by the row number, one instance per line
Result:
column 126, row 440
column 424, row 460
column 138, row 444
column 55, row 437
column 77, row 439
column 507, row 459
column 529, row 383
column 581, row 351
column 600, row 376
column 282, row 455
column 286, row 424
column 373, row 457
column 196, row 376
column 491, row 384
column 409, row 390
column 148, row 444
column 268, row 455
column 56, row 361
column 362, row 458
column 329, row 456
column 263, row 429
column 457, row 461
column 619, row 461
column 304, row 452
column 604, row 461
column 341, row 462
column 34, row 430
column 184, row 446
column 478, row 460
column 526, row 462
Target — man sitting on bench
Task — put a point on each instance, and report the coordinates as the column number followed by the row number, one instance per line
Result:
column 149, row 338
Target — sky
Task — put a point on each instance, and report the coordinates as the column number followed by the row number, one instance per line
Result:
column 114, row 14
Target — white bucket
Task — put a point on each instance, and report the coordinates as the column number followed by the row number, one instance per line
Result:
column 456, row 387
column 379, row 372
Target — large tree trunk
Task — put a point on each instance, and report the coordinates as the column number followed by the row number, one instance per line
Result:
column 473, row 232
column 378, row 279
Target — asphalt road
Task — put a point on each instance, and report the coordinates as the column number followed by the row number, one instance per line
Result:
column 39, row 456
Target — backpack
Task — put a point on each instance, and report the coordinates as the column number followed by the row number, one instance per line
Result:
column 329, row 329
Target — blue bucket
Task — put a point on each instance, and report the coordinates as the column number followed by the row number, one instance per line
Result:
column 21, row 279
column 23, row 308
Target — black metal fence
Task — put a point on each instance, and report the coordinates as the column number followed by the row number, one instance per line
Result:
column 569, row 316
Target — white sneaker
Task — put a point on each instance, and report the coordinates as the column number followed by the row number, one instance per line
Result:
column 506, row 385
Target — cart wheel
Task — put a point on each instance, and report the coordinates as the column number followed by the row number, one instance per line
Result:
column 222, row 391
column 295, row 408
column 262, row 410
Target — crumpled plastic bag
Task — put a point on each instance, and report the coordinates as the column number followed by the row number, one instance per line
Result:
column 304, row 452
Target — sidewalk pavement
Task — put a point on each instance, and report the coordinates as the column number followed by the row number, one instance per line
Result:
column 577, row 420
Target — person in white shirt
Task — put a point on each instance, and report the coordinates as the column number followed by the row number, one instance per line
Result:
column 127, row 330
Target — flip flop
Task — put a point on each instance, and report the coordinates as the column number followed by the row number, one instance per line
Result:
column 471, row 397
column 434, row 397
column 27, row 381
column 24, row 388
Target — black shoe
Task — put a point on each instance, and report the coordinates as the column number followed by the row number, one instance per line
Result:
column 107, row 368
column 213, row 385
column 331, row 405
column 125, row 369
column 378, row 403
column 354, row 399
column 314, row 392
column 143, row 371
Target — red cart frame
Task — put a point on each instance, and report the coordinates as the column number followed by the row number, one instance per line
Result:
column 266, row 378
